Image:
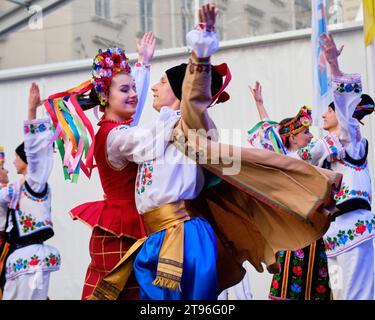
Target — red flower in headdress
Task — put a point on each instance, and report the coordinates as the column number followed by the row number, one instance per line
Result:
column 102, row 63
column 117, row 59
column 106, row 83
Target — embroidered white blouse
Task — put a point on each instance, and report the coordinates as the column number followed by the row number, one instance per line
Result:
column 357, row 226
column 165, row 174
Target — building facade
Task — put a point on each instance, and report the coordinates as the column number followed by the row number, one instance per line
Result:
column 78, row 29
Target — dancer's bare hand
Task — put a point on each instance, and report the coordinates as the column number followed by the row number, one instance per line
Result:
column 34, row 101
column 34, row 97
column 331, row 52
column 146, row 47
column 207, row 15
column 256, row 91
column 330, row 49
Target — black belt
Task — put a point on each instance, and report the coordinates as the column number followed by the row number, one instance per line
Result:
column 352, row 205
column 15, row 246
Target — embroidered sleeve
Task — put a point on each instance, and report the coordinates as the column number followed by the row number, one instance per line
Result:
column 139, row 144
column 203, row 42
column 347, row 92
column 264, row 135
column 9, row 195
column 3, row 207
column 328, row 148
column 39, row 152
column 141, row 74
column 4, row 196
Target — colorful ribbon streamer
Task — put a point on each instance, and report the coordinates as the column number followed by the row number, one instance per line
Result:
column 73, row 131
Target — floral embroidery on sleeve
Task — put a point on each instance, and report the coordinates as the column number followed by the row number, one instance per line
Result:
column 344, row 236
column 347, row 84
column 345, row 193
column 34, row 262
column 349, row 87
column 334, row 148
column 305, row 153
column 35, row 128
column 144, row 177
column 29, row 223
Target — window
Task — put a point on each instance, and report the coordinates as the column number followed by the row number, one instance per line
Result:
column 146, row 15
column 187, row 14
column 103, row 9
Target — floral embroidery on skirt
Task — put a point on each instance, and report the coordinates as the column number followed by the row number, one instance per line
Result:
column 303, row 274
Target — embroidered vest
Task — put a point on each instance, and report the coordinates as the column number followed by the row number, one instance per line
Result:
column 31, row 218
column 117, row 183
column 355, row 192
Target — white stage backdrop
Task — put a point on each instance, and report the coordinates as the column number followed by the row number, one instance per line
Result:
column 281, row 64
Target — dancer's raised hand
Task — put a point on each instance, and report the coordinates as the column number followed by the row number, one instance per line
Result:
column 207, row 15
column 34, row 101
column 34, row 96
column 331, row 52
column 256, row 91
column 146, row 47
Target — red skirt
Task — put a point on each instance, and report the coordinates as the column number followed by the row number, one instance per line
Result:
column 116, row 227
column 106, row 250
column 119, row 217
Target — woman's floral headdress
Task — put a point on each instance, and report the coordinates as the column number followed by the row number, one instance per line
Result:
column 73, row 131
column 299, row 123
column 105, row 66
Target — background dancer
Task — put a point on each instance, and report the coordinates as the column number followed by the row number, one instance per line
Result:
column 303, row 273
column 29, row 223
column 349, row 240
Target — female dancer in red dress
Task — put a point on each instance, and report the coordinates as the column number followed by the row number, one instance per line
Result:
column 120, row 93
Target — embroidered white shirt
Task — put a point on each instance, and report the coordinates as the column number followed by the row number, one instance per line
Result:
column 165, row 174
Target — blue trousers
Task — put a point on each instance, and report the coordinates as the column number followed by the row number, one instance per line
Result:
column 199, row 278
